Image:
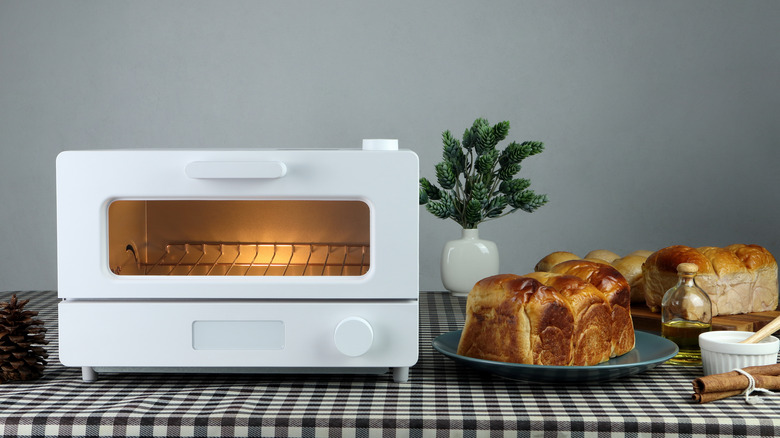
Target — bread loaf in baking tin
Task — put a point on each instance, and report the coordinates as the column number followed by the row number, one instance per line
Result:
column 738, row 278
column 540, row 318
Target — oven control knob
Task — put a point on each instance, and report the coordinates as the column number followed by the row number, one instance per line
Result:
column 353, row 336
column 380, row 144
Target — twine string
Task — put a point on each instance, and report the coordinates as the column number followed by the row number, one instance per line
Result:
column 751, row 388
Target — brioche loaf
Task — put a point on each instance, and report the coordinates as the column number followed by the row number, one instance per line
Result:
column 615, row 287
column 548, row 318
column 738, row 278
column 517, row 319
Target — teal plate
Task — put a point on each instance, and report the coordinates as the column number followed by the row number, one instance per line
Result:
column 649, row 351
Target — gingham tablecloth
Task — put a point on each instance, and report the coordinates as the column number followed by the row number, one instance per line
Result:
column 441, row 398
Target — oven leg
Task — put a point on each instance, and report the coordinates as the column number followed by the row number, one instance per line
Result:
column 88, row 374
column 400, row 374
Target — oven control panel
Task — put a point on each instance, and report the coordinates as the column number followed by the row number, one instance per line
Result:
column 238, row 333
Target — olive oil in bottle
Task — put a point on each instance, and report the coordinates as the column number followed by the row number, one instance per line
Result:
column 686, row 312
column 686, row 335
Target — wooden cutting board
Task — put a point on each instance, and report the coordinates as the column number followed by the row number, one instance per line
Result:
column 646, row 320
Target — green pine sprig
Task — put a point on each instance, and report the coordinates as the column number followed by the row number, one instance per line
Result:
column 476, row 181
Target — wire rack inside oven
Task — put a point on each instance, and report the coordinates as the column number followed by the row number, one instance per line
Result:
column 254, row 259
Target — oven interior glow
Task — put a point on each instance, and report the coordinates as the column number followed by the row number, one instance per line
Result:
column 239, row 237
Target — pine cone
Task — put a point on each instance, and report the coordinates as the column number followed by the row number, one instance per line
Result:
column 21, row 356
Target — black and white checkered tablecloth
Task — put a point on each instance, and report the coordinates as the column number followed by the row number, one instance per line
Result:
column 441, row 398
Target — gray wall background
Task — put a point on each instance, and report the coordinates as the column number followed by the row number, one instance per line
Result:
column 661, row 119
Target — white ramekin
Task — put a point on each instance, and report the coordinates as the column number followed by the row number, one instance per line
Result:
column 721, row 351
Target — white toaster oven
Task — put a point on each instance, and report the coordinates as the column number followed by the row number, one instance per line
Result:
column 239, row 260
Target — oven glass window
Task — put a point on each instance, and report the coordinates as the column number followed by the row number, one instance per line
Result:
column 241, row 237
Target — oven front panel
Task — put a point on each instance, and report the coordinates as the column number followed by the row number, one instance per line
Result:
column 238, row 334
column 249, row 224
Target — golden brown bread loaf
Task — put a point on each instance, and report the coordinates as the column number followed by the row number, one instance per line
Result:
column 738, row 278
column 517, row 319
column 548, row 318
column 615, row 287
column 630, row 266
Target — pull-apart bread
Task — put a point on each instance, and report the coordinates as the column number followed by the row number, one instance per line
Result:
column 629, row 266
column 738, row 278
column 544, row 318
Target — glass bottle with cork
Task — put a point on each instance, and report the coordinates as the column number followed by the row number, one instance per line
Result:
column 686, row 312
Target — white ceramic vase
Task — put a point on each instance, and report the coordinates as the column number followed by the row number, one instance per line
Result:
column 467, row 260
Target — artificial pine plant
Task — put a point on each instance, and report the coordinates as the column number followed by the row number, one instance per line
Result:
column 21, row 337
column 477, row 181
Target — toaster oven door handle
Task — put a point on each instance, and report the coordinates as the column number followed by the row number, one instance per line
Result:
column 235, row 169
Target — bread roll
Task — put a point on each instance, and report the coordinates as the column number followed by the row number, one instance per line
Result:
column 614, row 286
column 553, row 259
column 602, row 254
column 738, row 278
column 630, row 267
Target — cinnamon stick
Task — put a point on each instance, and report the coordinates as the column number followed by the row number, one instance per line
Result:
column 720, row 386
column 712, row 396
column 726, row 387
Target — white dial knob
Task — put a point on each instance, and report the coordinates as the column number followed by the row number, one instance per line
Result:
column 353, row 336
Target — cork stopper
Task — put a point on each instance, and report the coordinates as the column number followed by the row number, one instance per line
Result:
column 687, row 268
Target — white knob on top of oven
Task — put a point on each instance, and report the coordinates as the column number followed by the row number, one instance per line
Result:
column 380, row 144
column 353, row 336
